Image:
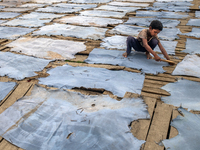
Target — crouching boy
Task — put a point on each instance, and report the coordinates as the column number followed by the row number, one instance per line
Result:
column 146, row 41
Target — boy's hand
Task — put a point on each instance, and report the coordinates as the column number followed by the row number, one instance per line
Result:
column 157, row 58
column 148, row 55
column 125, row 54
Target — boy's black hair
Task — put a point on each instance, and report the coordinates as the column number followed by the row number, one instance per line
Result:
column 156, row 24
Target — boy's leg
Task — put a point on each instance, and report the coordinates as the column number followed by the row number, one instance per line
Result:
column 129, row 44
column 153, row 43
column 132, row 42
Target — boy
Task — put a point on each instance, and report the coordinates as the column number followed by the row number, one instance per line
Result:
column 146, row 41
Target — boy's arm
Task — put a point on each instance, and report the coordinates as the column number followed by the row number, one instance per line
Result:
column 149, row 49
column 163, row 51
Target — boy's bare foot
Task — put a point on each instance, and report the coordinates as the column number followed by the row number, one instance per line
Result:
column 148, row 56
column 125, row 54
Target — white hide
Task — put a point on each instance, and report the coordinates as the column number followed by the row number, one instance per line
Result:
column 189, row 66
column 47, row 48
